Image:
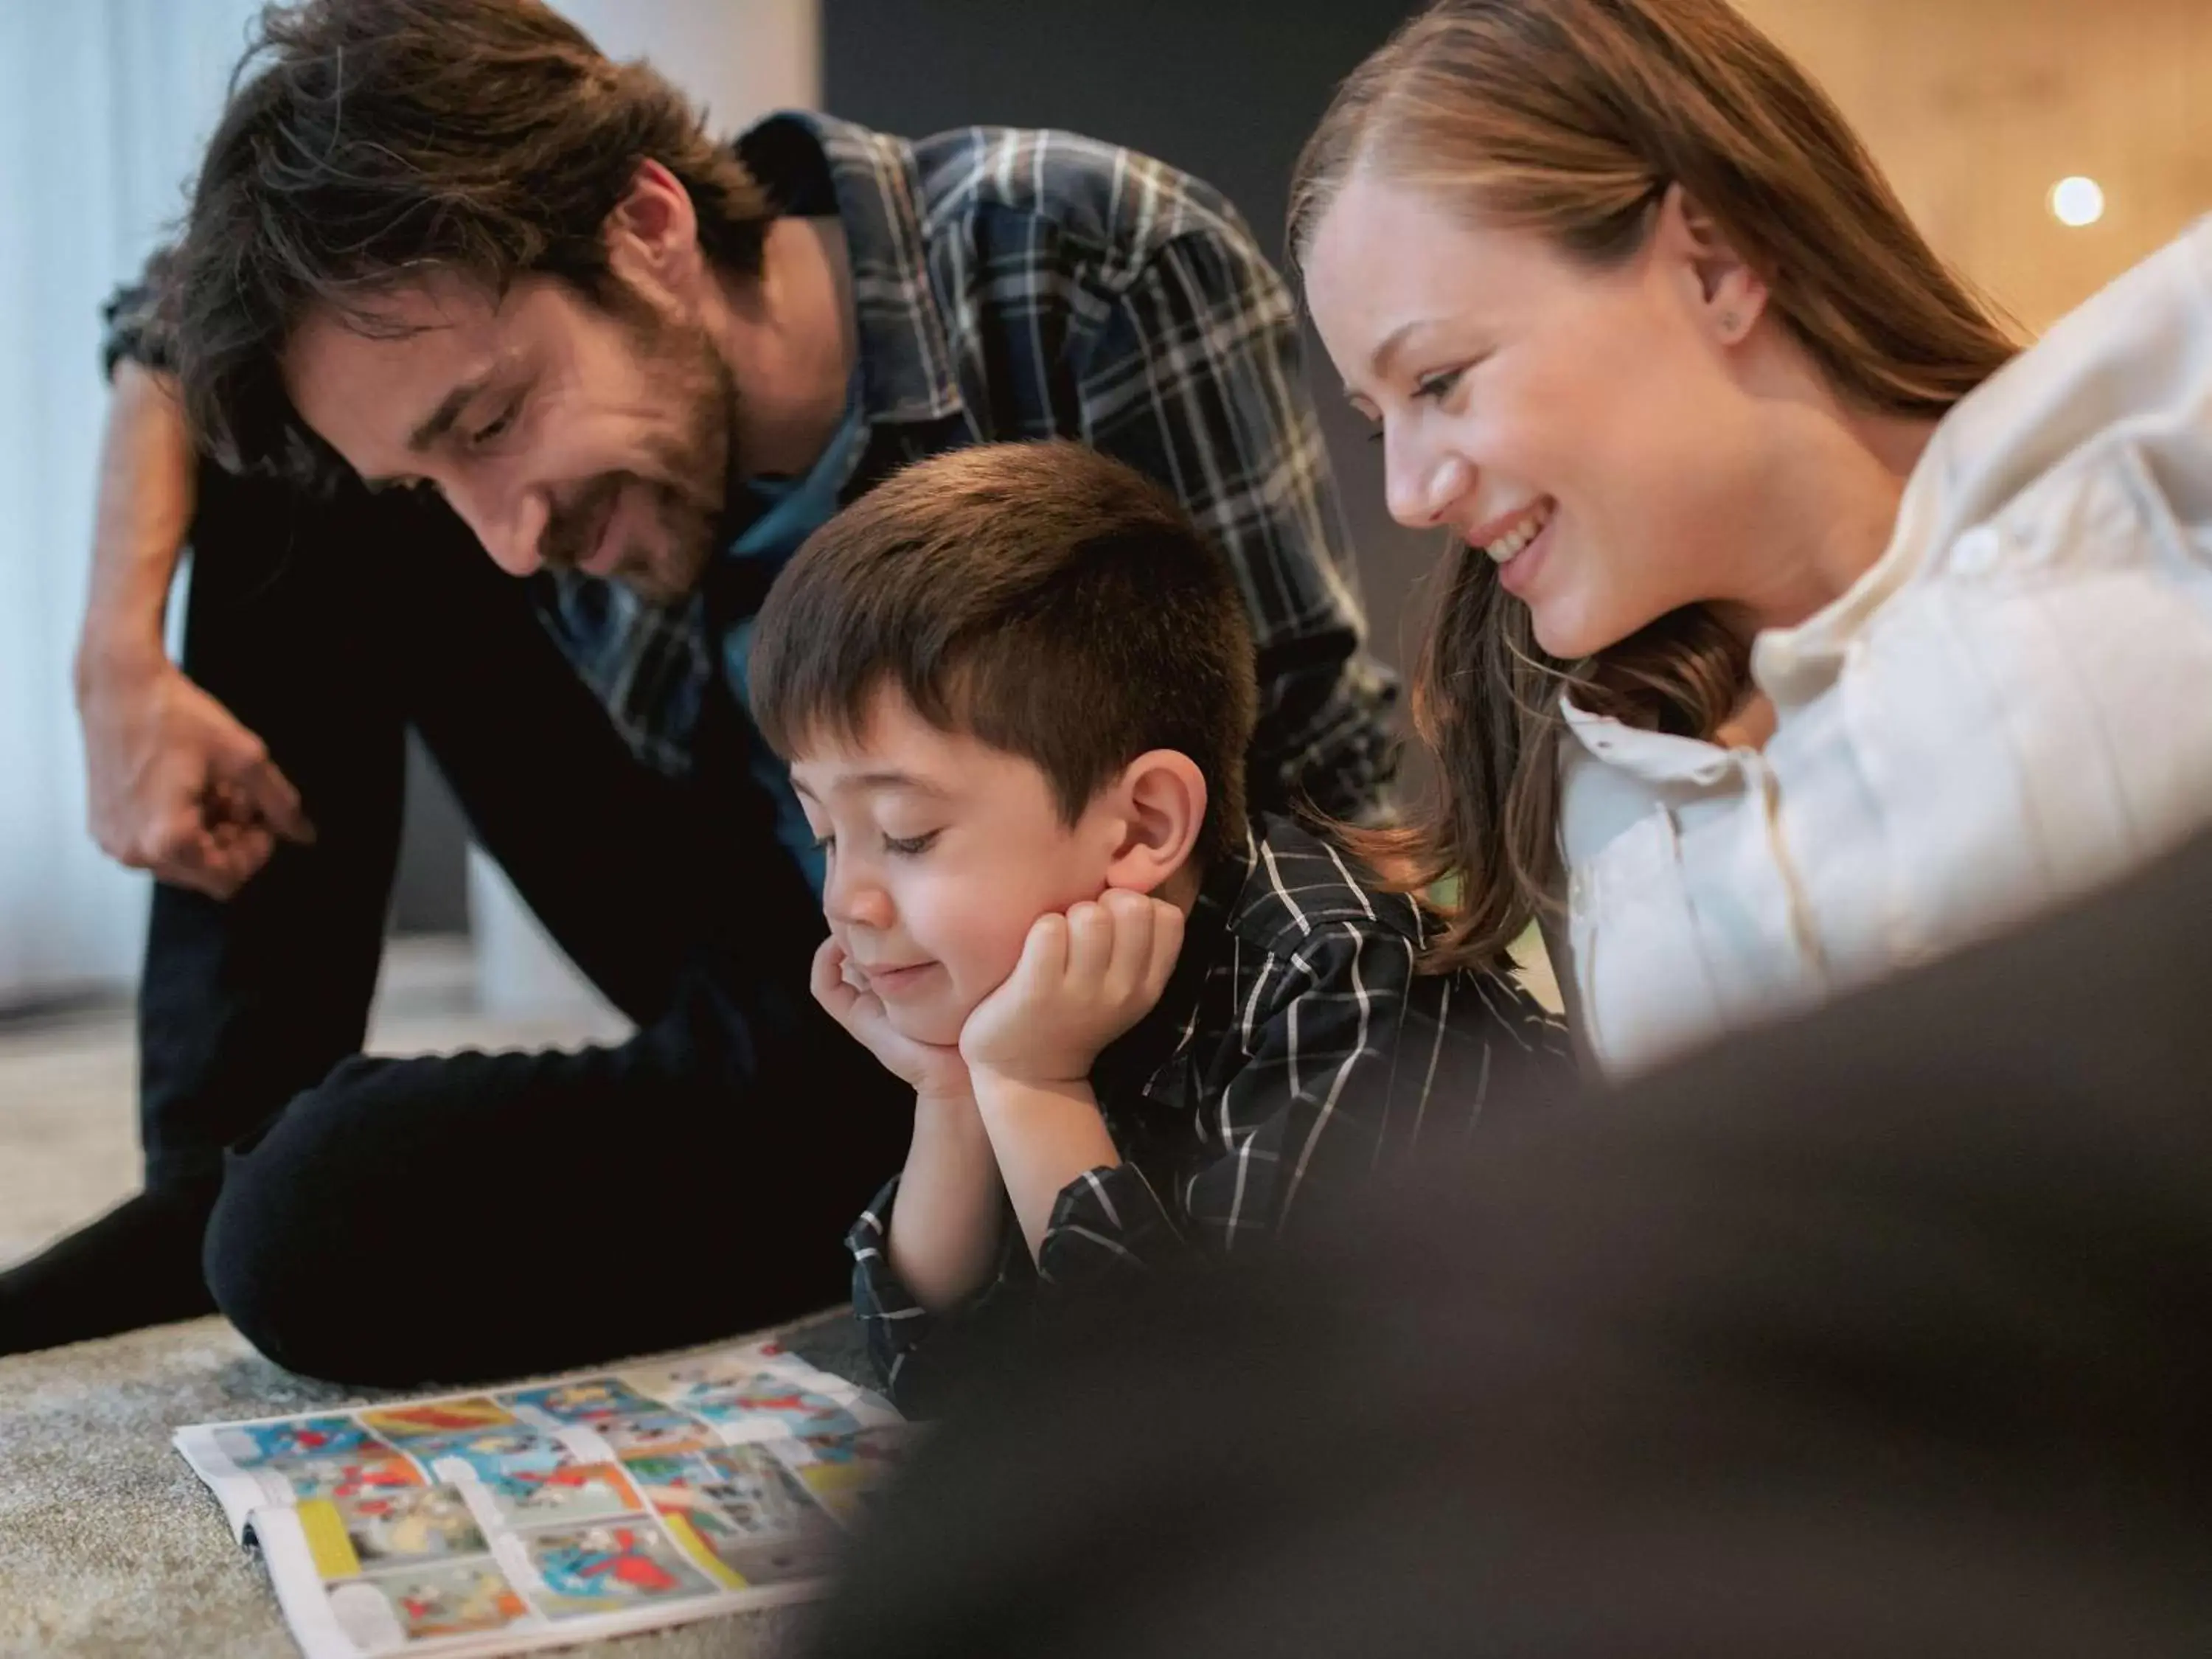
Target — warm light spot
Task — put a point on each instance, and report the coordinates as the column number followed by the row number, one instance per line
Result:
column 2077, row 201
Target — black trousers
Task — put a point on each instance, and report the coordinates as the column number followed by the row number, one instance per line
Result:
column 397, row 1220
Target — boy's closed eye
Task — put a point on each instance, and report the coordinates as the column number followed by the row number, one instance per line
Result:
column 897, row 846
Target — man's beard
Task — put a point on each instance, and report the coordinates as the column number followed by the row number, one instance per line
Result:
column 692, row 477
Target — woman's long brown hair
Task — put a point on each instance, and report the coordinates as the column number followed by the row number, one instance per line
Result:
column 1571, row 118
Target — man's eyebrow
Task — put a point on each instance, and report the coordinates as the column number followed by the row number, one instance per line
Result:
column 443, row 416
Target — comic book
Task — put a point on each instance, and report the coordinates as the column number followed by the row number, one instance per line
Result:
column 537, row 1515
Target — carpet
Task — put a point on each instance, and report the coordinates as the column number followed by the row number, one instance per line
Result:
column 111, row 1548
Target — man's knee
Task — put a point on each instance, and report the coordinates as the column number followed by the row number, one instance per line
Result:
column 284, row 1249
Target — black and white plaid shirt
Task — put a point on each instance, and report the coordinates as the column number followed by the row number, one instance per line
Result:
column 1294, row 1052
column 1012, row 284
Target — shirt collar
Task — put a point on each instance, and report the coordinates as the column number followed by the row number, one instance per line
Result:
column 1656, row 757
column 1130, row 1061
column 907, row 364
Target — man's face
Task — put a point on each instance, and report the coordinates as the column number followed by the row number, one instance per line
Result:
column 565, row 433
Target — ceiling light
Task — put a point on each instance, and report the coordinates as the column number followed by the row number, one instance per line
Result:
column 2077, row 201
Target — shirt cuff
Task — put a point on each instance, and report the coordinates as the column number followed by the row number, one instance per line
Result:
column 1106, row 1224
column 895, row 1325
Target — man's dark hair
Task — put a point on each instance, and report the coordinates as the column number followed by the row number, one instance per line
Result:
column 368, row 142
column 1038, row 596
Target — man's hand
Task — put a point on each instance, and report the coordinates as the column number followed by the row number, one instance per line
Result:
column 932, row 1073
column 1083, row 978
column 177, row 786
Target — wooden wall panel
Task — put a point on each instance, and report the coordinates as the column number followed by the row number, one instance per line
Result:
column 1975, row 108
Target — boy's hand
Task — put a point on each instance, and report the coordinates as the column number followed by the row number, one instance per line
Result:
column 933, row 1073
column 1083, row 978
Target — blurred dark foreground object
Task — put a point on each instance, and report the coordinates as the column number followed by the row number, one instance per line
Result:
column 1884, row 1332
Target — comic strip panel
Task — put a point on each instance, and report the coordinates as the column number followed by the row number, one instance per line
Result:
column 609, row 1568
column 248, row 1445
column 741, row 1513
column 422, row 1603
column 528, row 1497
column 409, row 1523
column 435, row 1419
column 846, row 1473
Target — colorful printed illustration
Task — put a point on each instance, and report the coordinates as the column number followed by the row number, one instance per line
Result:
column 680, row 1380
column 347, row 1477
column 741, row 1514
column 447, row 1600
column 580, row 1491
column 588, row 1401
column 406, row 1424
column 654, row 1432
column 666, row 1480
column 410, row 1524
column 764, row 1405
column 607, row 1569
column 492, row 1452
column 847, row 1473
column 248, row 1444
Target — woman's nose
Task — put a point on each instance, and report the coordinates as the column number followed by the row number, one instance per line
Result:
column 1421, row 485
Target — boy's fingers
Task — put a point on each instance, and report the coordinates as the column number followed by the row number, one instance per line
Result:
column 1131, row 916
column 1167, row 945
column 827, row 981
column 1090, row 943
column 1044, row 952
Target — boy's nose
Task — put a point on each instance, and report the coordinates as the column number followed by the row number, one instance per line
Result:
column 855, row 901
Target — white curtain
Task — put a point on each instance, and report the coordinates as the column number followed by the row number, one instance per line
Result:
column 104, row 105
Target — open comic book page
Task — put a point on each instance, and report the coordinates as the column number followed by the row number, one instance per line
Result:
column 515, row 1518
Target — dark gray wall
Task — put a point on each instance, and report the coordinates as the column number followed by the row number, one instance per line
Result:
column 1227, row 90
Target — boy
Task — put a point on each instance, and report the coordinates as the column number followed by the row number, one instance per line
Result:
column 1015, row 687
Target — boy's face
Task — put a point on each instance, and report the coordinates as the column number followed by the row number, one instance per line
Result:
column 942, row 852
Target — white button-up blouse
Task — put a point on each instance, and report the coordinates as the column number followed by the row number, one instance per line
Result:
column 2011, row 707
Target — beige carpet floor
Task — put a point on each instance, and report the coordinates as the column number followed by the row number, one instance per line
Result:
column 110, row 1547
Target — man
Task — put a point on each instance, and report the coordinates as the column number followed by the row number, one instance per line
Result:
column 452, row 251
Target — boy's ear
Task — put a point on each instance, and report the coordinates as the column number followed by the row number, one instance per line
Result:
column 1163, row 802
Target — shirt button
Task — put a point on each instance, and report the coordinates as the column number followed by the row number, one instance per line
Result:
column 1977, row 552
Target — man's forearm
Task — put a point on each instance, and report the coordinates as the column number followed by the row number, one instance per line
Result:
column 945, row 1226
column 1043, row 1136
column 143, row 511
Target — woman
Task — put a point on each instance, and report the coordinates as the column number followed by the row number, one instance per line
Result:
column 1771, row 655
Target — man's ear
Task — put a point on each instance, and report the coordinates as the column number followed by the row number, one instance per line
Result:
column 653, row 232
column 1161, row 802
column 1728, row 292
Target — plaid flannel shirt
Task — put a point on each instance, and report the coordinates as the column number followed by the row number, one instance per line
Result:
column 1294, row 1052
column 1019, row 284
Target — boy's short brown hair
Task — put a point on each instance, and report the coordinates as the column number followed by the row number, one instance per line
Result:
column 1039, row 597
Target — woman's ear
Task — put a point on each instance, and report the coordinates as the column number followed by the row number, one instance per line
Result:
column 1161, row 798
column 1728, row 294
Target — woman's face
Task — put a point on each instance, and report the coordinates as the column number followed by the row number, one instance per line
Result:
column 1583, row 426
